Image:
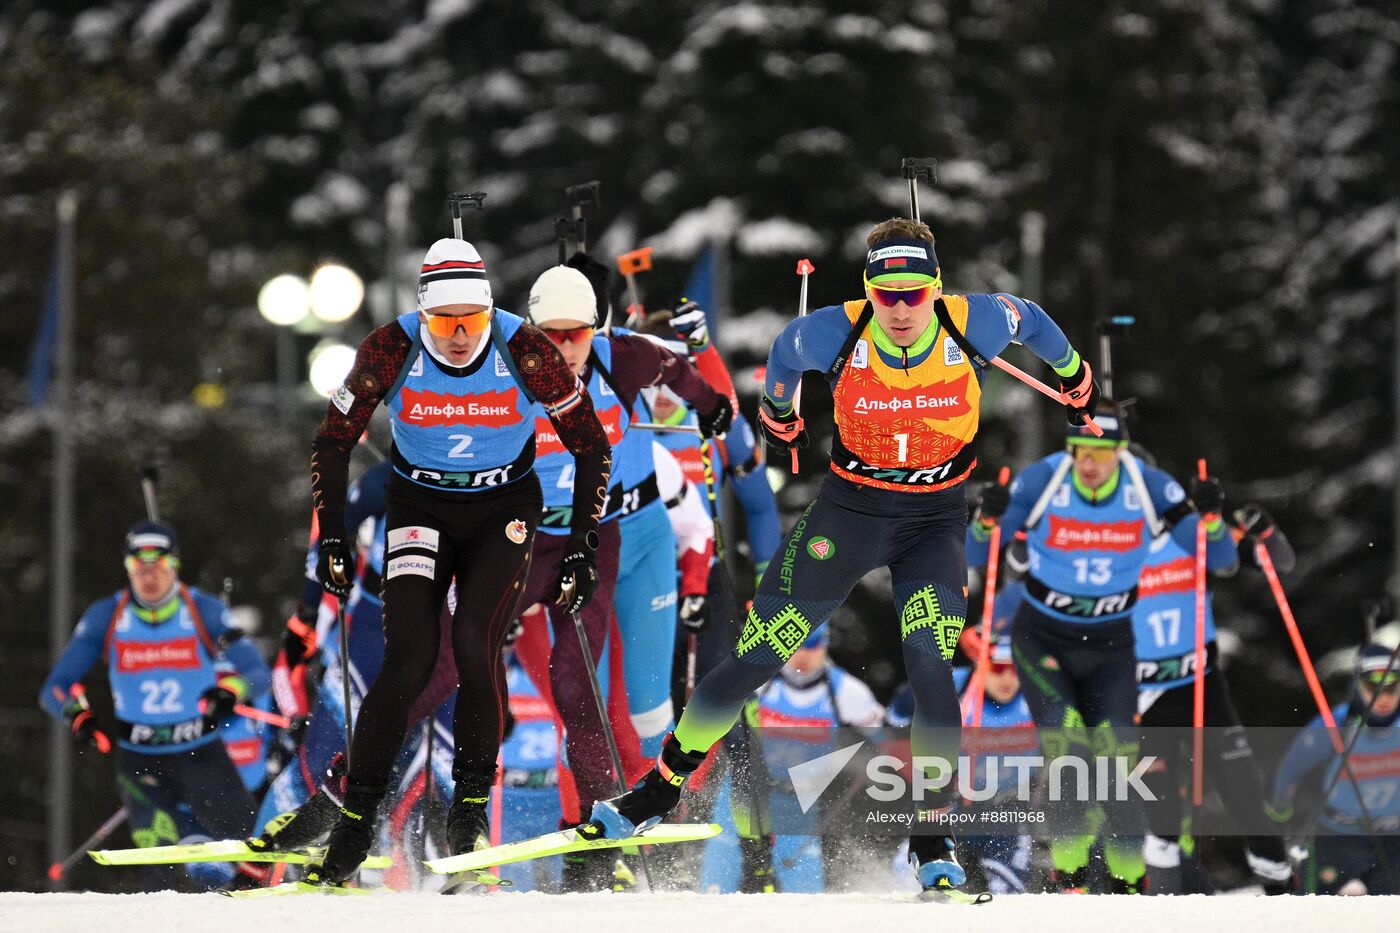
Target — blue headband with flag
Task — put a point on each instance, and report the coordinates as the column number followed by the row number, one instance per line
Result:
column 901, row 258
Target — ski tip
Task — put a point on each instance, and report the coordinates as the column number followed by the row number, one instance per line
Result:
column 97, row 855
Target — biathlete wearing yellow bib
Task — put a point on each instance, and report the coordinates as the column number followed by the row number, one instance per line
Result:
column 907, row 392
column 906, row 416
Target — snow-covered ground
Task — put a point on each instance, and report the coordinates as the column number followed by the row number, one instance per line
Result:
column 685, row 913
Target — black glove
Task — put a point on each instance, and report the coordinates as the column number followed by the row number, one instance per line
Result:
column 1079, row 393
column 1207, row 495
column 598, row 276
column 783, row 432
column 334, row 566
column 717, row 420
column 1254, row 521
column 694, row 613
column 688, row 321
column 83, row 723
column 216, row 704
column 996, row 498
column 578, row 573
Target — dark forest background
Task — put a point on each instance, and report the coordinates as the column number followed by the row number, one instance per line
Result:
column 1225, row 172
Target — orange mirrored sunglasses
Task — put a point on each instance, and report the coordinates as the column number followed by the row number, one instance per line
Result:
column 445, row 325
column 564, row 335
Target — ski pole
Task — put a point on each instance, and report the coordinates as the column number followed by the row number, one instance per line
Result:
column 804, row 269
column 928, row 168
column 345, row 672
column 1198, row 686
column 978, row 689
column 262, row 715
column 1266, row 563
column 692, row 641
column 629, row 264
column 666, row 428
column 597, row 687
column 58, row 869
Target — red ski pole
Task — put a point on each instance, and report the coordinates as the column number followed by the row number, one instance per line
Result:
column 1261, row 554
column 977, row 690
column 1198, row 691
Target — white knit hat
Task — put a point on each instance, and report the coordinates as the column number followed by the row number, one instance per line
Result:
column 453, row 274
column 563, row 293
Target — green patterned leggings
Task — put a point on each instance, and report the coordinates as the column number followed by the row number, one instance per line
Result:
column 847, row 532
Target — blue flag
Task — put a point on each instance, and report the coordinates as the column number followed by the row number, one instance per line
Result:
column 41, row 351
column 701, row 287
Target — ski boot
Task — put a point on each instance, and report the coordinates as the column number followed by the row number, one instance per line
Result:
column 308, row 823
column 935, row 862
column 467, row 825
column 756, row 866
column 351, row 838
column 650, row 799
column 1270, row 864
column 1072, row 882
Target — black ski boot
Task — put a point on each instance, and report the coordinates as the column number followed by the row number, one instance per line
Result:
column 308, row 823
column 1072, row 882
column 467, row 826
column 1118, row 885
column 756, row 866
column 650, row 799
column 295, row 829
column 350, row 839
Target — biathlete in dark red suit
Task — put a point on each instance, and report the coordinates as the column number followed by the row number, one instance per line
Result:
column 615, row 366
column 463, row 383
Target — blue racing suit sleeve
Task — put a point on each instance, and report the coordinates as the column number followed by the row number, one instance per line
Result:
column 1167, row 494
column 754, row 493
column 810, row 342
column 993, row 321
column 1309, row 751
column 1026, row 488
column 82, row 652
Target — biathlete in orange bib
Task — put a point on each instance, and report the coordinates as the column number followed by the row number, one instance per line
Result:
column 906, row 365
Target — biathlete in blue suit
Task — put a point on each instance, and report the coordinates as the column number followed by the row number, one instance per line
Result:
column 1088, row 516
column 162, row 643
column 1164, row 627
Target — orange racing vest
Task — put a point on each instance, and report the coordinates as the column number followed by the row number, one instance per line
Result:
column 908, row 430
